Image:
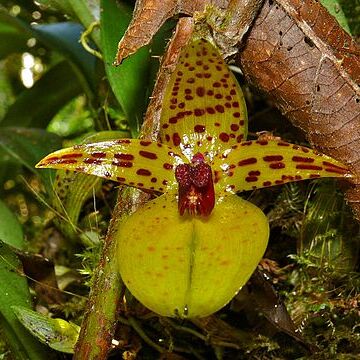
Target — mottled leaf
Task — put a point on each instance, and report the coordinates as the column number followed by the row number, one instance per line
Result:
column 58, row 334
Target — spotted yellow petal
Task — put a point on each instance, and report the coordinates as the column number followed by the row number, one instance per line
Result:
column 190, row 266
column 143, row 164
column 204, row 108
column 263, row 163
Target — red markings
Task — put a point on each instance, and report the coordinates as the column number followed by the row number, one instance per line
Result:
column 254, row 173
column 239, row 138
column 122, row 156
column 210, row 110
column 232, row 92
column 235, row 104
column 190, row 80
column 224, row 137
column 199, row 128
column 176, row 139
column 98, row 154
column 126, row 164
column 270, row 158
column 336, row 171
column 246, row 143
column 92, row 161
column 188, row 97
column 277, row 165
column 266, row 183
column 199, row 112
column 262, row 142
column 210, row 92
column 216, row 84
column 153, row 180
column 329, row 164
column 302, row 159
column 71, row 156
column 167, row 166
column 219, row 108
column 173, row 120
column 278, row 182
column 66, row 161
column 200, row 91
column 248, row 161
column 313, row 176
column 308, row 167
column 120, row 179
column 236, row 114
column 234, row 127
column 282, row 143
column 143, row 172
column 148, row 154
column 251, row 178
column 123, row 141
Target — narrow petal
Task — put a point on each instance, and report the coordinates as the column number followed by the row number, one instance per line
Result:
column 204, row 109
column 142, row 164
column 262, row 163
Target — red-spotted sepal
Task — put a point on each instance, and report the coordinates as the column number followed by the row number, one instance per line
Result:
column 204, row 108
column 262, row 163
column 142, row 164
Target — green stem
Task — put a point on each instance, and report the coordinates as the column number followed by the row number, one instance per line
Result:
column 104, row 301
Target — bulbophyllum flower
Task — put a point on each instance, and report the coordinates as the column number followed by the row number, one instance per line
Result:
column 187, row 252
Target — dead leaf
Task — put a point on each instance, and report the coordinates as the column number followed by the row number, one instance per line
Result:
column 309, row 66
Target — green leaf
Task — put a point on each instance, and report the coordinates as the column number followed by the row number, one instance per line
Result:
column 14, row 289
column 28, row 146
column 56, row 333
column 334, row 8
column 64, row 38
column 13, row 33
column 86, row 11
column 128, row 81
column 36, row 106
column 10, row 228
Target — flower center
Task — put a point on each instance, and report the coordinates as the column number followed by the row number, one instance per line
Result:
column 196, row 188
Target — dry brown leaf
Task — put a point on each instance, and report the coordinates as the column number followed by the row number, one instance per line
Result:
column 310, row 67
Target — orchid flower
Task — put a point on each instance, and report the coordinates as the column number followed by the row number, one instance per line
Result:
column 189, row 251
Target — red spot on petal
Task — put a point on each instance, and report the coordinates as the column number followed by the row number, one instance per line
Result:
column 200, row 91
column 126, row 164
column 176, row 139
column 219, row 108
column 167, row 166
column 98, row 154
column 143, row 172
column 302, row 159
column 277, row 165
column 308, row 167
column 247, row 161
column 199, row 128
column 148, row 155
column 199, row 112
column 234, row 127
column 224, row 137
column 273, row 158
column 266, row 183
column 122, row 156
column 251, row 178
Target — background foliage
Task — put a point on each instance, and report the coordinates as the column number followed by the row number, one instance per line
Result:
column 56, row 91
